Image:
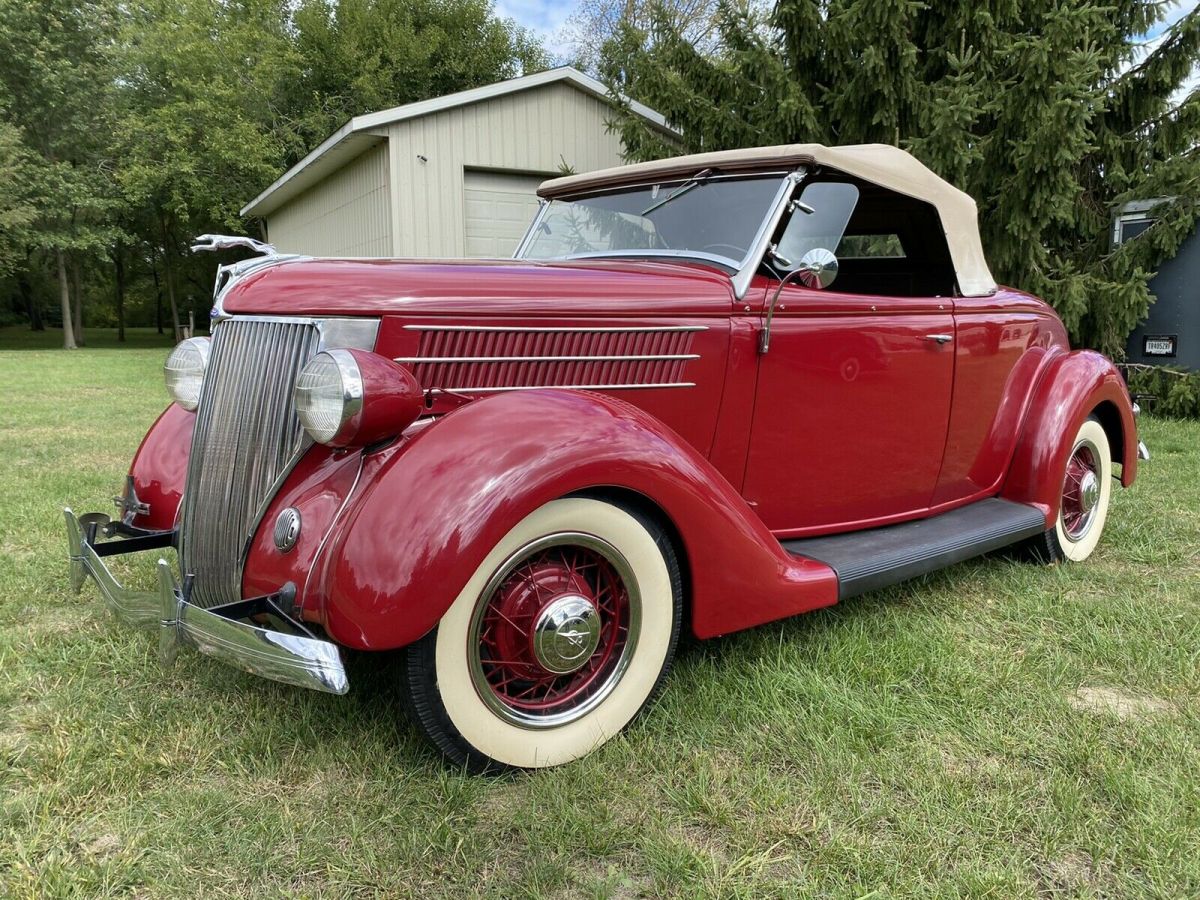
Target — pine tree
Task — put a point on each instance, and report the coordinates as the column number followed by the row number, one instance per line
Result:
column 1034, row 107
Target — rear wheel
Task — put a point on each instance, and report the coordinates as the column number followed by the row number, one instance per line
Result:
column 1083, row 505
column 560, row 637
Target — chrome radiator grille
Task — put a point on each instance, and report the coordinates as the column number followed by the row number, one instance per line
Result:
column 246, row 439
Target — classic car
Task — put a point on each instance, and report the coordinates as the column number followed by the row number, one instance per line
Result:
column 707, row 392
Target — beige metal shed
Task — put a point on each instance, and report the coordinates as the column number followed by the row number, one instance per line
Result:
column 452, row 176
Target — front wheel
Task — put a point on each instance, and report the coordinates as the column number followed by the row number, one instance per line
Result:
column 559, row 638
column 1083, row 505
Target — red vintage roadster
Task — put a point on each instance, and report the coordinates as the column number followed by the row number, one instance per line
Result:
column 708, row 392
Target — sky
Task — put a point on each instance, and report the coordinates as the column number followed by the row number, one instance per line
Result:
column 545, row 18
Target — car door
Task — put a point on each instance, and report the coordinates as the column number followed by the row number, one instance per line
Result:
column 853, row 397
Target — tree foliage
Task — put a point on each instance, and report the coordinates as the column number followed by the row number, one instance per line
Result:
column 129, row 126
column 366, row 55
column 594, row 22
column 1034, row 107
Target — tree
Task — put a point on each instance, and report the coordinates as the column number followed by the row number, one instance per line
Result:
column 1032, row 106
column 199, row 98
column 596, row 22
column 18, row 209
column 368, row 55
column 55, row 83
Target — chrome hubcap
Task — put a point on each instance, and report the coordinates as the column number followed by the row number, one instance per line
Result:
column 566, row 634
column 1089, row 491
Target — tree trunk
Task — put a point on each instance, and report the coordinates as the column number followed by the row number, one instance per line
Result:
column 77, row 277
column 65, row 293
column 118, row 255
column 168, row 276
column 31, row 306
column 157, row 295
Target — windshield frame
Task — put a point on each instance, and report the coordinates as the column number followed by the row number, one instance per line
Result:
column 743, row 269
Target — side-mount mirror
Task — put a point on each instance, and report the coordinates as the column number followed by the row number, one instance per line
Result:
column 818, row 267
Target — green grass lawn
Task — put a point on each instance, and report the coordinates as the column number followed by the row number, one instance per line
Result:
column 998, row 729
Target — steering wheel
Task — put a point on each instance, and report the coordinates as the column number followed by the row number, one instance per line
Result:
column 738, row 252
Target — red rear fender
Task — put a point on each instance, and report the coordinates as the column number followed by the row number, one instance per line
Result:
column 1074, row 386
column 437, row 502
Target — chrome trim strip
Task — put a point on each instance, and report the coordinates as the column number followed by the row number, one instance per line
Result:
column 291, row 464
column 543, row 204
column 562, row 387
column 316, row 558
column 758, row 247
column 230, row 274
column 335, row 332
column 726, row 261
column 572, row 329
column 649, row 357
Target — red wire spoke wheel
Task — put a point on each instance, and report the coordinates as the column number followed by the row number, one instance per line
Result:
column 553, row 629
column 1081, row 490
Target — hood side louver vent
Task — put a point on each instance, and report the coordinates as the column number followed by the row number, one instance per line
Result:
column 477, row 359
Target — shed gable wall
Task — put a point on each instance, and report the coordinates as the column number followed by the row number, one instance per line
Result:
column 532, row 132
column 345, row 214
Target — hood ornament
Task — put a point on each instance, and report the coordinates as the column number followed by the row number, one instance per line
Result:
column 213, row 242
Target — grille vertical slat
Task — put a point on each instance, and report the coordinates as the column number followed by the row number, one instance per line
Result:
column 246, row 438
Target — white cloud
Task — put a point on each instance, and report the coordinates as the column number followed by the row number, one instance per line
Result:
column 545, row 18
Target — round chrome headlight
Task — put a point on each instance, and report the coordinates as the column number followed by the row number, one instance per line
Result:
column 184, row 371
column 328, row 394
column 355, row 398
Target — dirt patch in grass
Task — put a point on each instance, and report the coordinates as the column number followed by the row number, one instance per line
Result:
column 1118, row 702
column 1072, row 873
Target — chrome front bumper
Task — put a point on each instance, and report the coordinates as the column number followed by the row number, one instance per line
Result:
column 297, row 659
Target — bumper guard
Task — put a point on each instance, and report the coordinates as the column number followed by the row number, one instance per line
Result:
column 294, row 657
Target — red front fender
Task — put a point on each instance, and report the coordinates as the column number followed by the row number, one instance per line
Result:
column 1073, row 387
column 439, row 502
column 159, row 467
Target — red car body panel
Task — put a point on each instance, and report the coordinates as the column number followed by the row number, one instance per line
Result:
column 441, row 500
column 159, row 468
column 853, row 419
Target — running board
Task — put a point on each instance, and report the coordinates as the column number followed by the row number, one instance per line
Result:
column 868, row 560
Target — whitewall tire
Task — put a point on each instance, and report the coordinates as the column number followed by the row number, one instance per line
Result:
column 560, row 637
column 1083, row 503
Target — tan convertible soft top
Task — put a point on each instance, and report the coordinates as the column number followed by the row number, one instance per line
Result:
column 881, row 164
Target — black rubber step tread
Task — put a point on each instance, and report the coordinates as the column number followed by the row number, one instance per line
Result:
column 868, row 560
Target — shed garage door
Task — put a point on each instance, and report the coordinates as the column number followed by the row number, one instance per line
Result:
column 500, row 206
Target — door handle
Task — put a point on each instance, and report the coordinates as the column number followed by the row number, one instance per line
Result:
column 939, row 338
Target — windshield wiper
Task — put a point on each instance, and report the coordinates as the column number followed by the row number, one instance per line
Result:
column 679, row 191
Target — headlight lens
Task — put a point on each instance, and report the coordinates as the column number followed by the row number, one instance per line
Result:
column 328, row 394
column 184, row 371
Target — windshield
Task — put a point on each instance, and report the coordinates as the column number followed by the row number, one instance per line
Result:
column 700, row 216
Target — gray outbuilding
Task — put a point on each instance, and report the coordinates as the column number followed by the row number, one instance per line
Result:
column 1170, row 334
column 451, row 176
